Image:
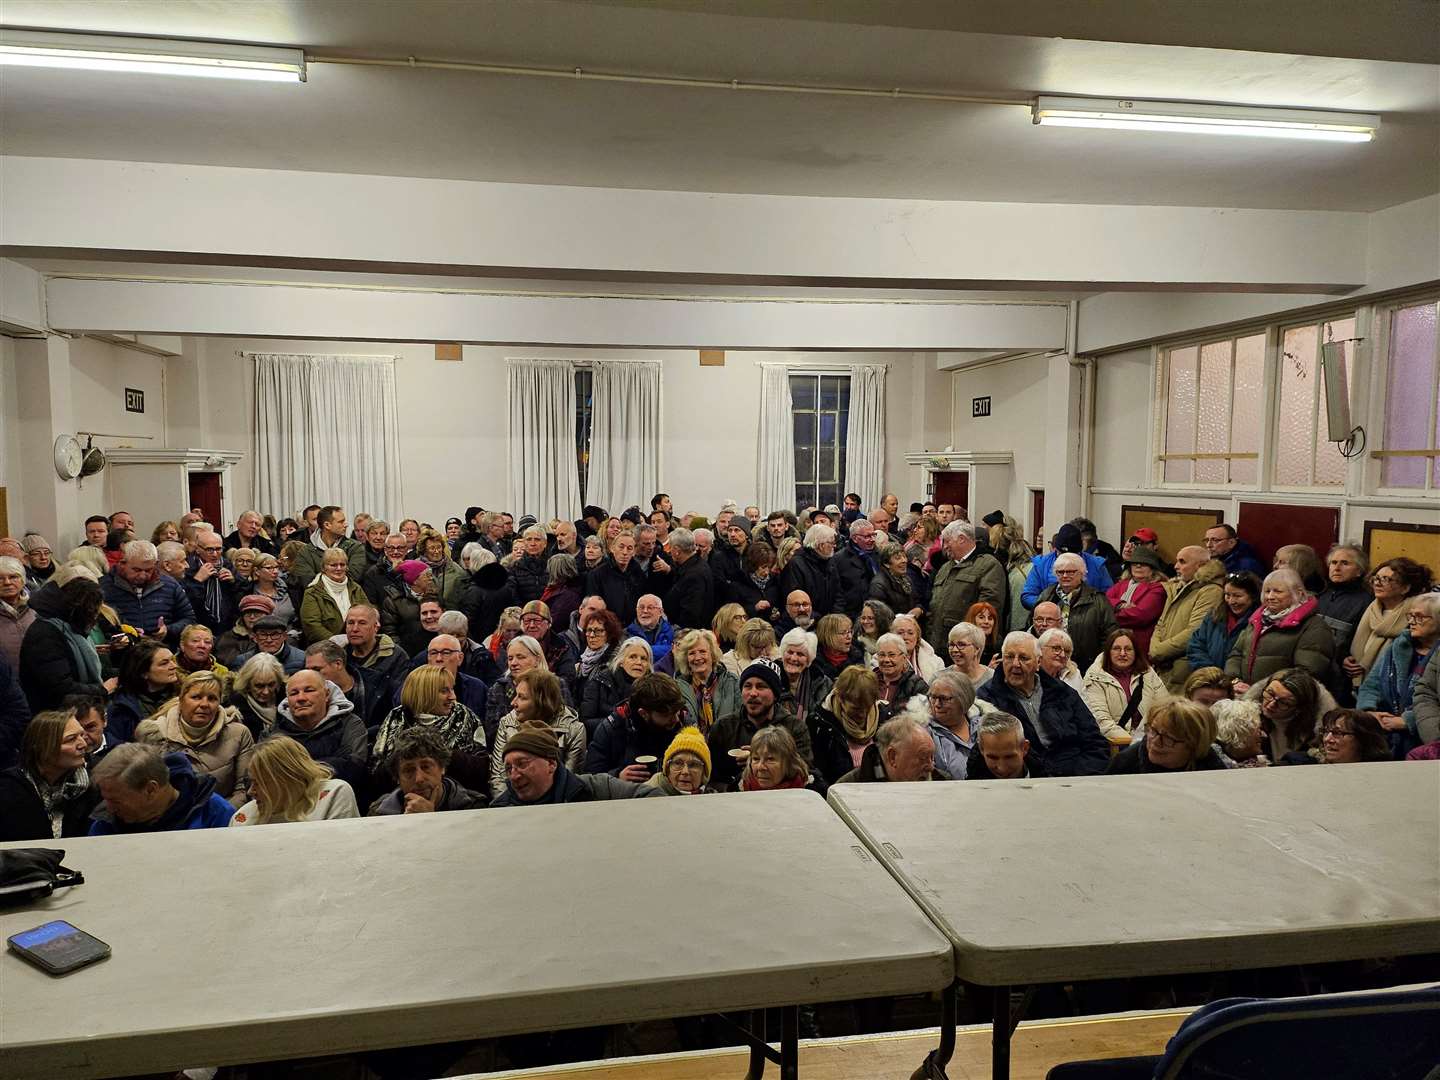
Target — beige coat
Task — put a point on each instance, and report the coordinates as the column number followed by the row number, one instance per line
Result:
column 1187, row 604
column 225, row 757
column 1106, row 698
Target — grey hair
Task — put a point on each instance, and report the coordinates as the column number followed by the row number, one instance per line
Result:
column 897, row 729
column 530, row 645
column 955, row 530
column 139, row 551
column 970, row 632
column 1069, row 558
column 998, row 723
column 682, row 540
column 561, row 568
column 1429, row 601
column 1055, row 634
column 1020, row 637
column 475, row 556
column 11, row 565
column 818, row 534
column 892, row 639
column 699, row 533
column 259, row 665
column 796, row 636
column 327, row 648
column 533, row 530
column 1234, row 721
column 454, row 623
column 171, row 549
column 1290, row 579
column 632, row 643
column 134, row 765
column 960, row 683
column 1361, row 558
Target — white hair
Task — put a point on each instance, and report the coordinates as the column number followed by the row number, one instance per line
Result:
column 533, row 530
column 1288, row 578
column 818, row 534
column 533, row 647
column 699, row 534
column 11, row 565
column 803, row 638
column 955, row 530
column 1020, row 637
column 998, row 723
column 970, row 632
column 474, row 556
column 632, row 643
column 682, row 540
column 170, row 549
column 1054, row 634
column 454, row 623
column 1235, row 721
column 140, row 551
column 892, row 639
column 1071, row 561
column 1428, row 602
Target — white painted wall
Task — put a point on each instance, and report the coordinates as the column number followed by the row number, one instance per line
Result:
column 11, row 475
column 99, row 374
column 1017, row 389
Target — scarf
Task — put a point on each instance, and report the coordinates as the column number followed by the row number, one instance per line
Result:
column 198, row 735
column 856, row 733
column 82, row 652
column 264, row 712
column 459, row 729
column 799, row 780
column 70, row 787
column 213, row 598
column 1376, row 629
column 1269, row 619
column 835, row 659
column 339, row 591
column 590, row 660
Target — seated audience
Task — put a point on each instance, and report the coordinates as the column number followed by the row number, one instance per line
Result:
column 1056, row 721
column 709, row 689
column 48, row 795
column 837, row 647
column 903, row 751
column 144, row 790
column 1056, row 649
column 1427, row 705
column 1121, row 688
column 1351, row 735
column 521, row 654
column 1395, row 585
column 1208, row 685
column 805, row 687
column 610, row 686
column 1046, row 616
column 762, row 704
column 898, row 680
column 149, row 679
column 652, row 627
column 967, row 645
column 209, row 734
column 1178, row 737
column 535, row 776
column 685, row 769
column 954, row 714
column 844, row 724
column 1214, row 639
column 1190, row 596
column 920, row 653
column 428, row 702
column 15, row 613
column 1002, row 752
column 642, row 726
column 376, row 656
column 1291, row 704
column 321, row 719
column 328, row 597
column 1139, row 597
column 287, row 784
column 196, row 652
column 1085, row 613
column 1237, row 555
column 1389, row 688
column 1284, row 632
column 418, row 761
column 256, row 691
column 271, row 639
column 238, row 640
column 155, row 604
column 601, row 633
column 537, row 700
column 1239, row 735
column 755, row 641
column 773, row 763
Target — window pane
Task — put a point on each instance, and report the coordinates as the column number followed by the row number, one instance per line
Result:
column 827, row 465
column 830, row 392
column 1407, row 394
column 804, row 495
column 805, row 464
column 802, row 391
column 1180, row 414
column 1247, row 408
column 1295, row 423
column 1212, row 425
column 1330, row 464
column 804, row 429
column 827, row 427
column 828, row 494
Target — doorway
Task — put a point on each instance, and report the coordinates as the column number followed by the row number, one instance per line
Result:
column 1037, row 519
column 952, row 488
column 1267, row 527
column 205, row 495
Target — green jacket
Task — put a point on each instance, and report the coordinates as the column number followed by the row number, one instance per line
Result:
column 308, row 562
column 1091, row 619
column 957, row 586
column 320, row 617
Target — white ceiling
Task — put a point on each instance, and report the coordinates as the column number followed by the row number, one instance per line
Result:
column 535, row 130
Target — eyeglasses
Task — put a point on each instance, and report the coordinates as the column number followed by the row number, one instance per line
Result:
column 956, row 646
column 595, row 631
column 1419, row 617
column 1338, row 732
column 442, row 654
column 1386, row 579
column 1275, row 701
column 682, row 765
column 941, row 699
column 212, row 550
column 1162, row 739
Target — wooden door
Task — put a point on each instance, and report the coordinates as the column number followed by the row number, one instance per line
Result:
column 1037, row 519
column 205, row 495
column 952, row 488
column 1267, row 527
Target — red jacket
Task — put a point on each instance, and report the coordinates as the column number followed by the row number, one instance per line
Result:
column 1142, row 613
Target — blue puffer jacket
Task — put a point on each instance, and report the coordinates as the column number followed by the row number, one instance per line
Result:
column 661, row 639
column 1211, row 643
column 1390, row 686
column 198, row 807
column 1077, row 748
column 163, row 598
column 1042, row 576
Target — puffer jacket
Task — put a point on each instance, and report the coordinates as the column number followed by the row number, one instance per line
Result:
column 1140, row 615
column 1187, row 603
column 1213, row 639
column 225, row 758
column 528, row 577
column 1390, row 684
column 1090, row 621
column 1300, row 639
column 164, row 598
column 1106, row 698
column 815, row 576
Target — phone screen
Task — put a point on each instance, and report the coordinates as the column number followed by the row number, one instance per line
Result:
column 58, row 947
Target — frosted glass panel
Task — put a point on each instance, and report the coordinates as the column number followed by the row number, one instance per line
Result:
column 1329, row 463
column 1295, row 422
column 1409, row 396
column 1180, row 414
column 1212, row 426
column 1247, row 408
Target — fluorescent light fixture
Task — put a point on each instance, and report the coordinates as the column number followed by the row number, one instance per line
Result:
column 151, row 56
column 1200, row 119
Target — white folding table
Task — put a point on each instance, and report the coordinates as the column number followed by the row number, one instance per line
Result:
column 258, row 944
column 1113, row 876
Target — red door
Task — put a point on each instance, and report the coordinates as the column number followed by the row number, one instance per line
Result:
column 1267, row 527
column 952, row 488
column 205, row 495
column 1037, row 515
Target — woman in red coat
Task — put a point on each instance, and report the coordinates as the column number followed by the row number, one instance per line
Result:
column 1139, row 597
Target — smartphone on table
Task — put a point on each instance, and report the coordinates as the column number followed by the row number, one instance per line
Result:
column 58, row 947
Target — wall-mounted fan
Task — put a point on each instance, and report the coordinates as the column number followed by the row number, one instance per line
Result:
column 94, row 459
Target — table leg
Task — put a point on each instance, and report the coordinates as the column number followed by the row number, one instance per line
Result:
column 935, row 1062
column 1000, row 1030
column 757, row 1045
column 790, row 1042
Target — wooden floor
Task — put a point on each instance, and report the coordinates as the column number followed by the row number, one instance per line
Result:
column 1036, row 1047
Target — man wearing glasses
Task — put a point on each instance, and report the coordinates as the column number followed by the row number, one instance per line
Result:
column 1222, row 543
column 211, row 585
column 153, row 603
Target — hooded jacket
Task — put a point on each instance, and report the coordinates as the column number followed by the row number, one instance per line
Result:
column 195, row 807
column 1301, row 639
column 338, row 740
column 621, row 738
column 1187, row 603
column 1076, row 746
column 661, row 639
column 581, row 787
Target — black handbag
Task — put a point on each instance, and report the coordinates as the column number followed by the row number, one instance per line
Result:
column 30, row 874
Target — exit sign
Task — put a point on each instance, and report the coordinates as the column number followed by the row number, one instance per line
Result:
column 980, row 406
column 134, row 400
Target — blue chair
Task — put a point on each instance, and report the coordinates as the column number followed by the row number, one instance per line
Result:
column 1372, row 1035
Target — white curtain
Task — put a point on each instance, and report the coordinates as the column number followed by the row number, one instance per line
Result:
column 775, row 460
column 544, row 475
column 326, row 431
column 624, row 468
column 865, row 448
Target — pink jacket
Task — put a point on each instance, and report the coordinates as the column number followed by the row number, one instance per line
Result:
column 1142, row 613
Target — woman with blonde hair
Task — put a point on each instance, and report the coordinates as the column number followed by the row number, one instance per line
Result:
column 755, row 641
column 1007, row 539
column 709, row 688
column 211, row 735
column 788, row 549
column 537, row 700
column 329, row 597
column 1179, row 737
column 427, row 700
column 726, row 624
column 286, row 784
column 844, row 723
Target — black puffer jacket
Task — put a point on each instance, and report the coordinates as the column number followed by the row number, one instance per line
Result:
column 528, row 578
column 620, row 589
column 23, row 817
column 486, row 593
column 817, row 577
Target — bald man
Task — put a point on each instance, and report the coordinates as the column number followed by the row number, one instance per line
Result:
column 1191, row 595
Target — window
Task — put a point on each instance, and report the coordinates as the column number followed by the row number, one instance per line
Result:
column 584, row 418
column 821, row 405
column 1304, row 454
column 1212, row 396
column 1412, row 399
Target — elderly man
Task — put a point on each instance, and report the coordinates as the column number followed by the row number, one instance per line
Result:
column 691, row 598
column 1046, row 616
column 211, row 585
column 903, row 752
column 528, row 574
column 762, row 685
column 753, row 513
column 418, row 763
column 145, row 791
column 813, row 571
column 1191, row 595
column 448, row 652
column 799, row 612
column 479, row 662
column 1347, row 593
column 383, row 578
column 1067, row 540
column 652, row 625
column 1002, row 752
column 534, row 775
column 320, row 718
column 1222, row 542
column 1085, row 613
column 704, row 543
column 174, row 560
column 331, row 530
column 270, row 636
column 247, row 534
column 574, row 635
column 371, row 550
column 968, row 577
column 1055, row 718
column 855, row 566
column 566, row 539
column 153, row 603
column 882, row 521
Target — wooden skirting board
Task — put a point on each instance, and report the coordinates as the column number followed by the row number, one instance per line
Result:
column 1037, row 1046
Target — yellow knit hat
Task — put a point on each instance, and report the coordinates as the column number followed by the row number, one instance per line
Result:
column 693, row 742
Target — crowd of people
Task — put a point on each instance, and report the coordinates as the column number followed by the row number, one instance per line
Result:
column 313, row 668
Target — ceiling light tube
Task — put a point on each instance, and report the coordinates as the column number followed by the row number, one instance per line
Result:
column 152, row 56
column 1199, row 119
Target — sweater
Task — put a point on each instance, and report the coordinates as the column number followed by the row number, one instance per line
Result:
column 336, row 800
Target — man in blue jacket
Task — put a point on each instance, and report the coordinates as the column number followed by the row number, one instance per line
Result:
column 1238, row 556
column 1042, row 569
column 1057, row 724
column 152, row 602
column 145, row 791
